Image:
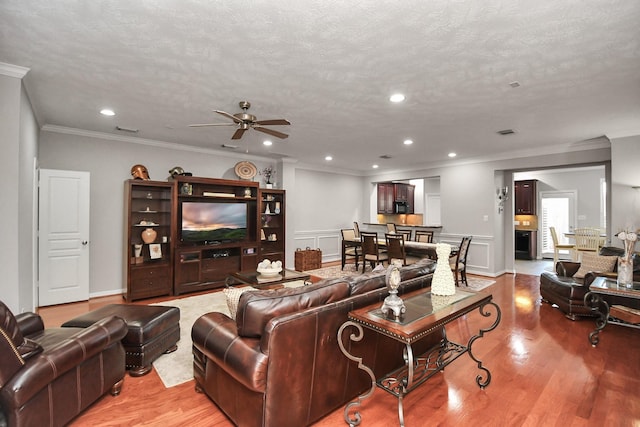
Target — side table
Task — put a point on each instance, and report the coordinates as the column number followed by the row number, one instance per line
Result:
column 603, row 289
column 425, row 313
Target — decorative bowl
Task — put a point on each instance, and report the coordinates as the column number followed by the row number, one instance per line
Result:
column 269, row 272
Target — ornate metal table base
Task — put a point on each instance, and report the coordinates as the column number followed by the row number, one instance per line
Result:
column 416, row 370
column 601, row 309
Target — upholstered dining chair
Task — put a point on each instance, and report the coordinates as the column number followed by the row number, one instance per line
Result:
column 371, row 251
column 424, row 236
column 391, row 228
column 405, row 233
column 356, row 229
column 458, row 263
column 587, row 240
column 395, row 247
column 349, row 247
column 557, row 247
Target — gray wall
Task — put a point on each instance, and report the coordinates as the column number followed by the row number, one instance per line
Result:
column 19, row 147
column 109, row 162
column 319, row 203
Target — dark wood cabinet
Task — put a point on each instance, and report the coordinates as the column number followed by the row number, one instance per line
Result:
column 272, row 225
column 203, row 263
column 169, row 253
column 385, row 198
column 525, row 197
column 410, row 198
column 148, row 251
column 390, row 194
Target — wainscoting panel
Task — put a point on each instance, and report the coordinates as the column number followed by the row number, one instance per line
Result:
column 328, row 241
column 479, row 259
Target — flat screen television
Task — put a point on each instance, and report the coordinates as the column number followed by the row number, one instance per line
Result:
column 213, row 222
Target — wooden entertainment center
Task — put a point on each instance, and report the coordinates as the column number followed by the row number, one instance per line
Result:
column 187, row 253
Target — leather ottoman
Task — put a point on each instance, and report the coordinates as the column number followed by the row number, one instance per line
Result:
column 152, row 331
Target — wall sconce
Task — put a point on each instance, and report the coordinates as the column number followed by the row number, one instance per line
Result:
column 503, row 196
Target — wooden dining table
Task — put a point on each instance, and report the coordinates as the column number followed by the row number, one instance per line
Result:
column 417, row 249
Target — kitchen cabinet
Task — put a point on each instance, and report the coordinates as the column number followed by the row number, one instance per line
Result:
column 390, row 194
column 525, row 197
column 385, row 198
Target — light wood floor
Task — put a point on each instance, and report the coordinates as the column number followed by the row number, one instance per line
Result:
column 544, row 372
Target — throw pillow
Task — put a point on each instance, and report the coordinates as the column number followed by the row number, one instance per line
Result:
column 233, row 297
column 594, row 262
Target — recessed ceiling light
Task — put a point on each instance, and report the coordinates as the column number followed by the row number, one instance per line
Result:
column 452, row 154
column 408, row 142
column 107, row 112
column 375, row 166
column 267, row 142
column 328, row 158
column 396, row 97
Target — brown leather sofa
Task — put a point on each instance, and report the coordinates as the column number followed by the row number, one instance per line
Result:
column 280, row 365
column 567, row 292
column 48, row 376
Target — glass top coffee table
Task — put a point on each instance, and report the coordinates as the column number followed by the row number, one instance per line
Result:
column 257, row 280
column 613, row 303
column 425, row 313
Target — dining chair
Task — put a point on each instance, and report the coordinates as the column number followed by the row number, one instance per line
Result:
column 350, row 249
column 391, row 228
column 395, row 247
column 424, row 236
column 371, row 251
column 356, row 229
column 458, row 262
column 557, row 247
column 587, row 240
column 405, row 233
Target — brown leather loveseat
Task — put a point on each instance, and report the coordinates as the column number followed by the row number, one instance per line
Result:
column 279, row 363
column 48, row 376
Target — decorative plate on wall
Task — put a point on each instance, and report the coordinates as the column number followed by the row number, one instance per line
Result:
column 245, row 170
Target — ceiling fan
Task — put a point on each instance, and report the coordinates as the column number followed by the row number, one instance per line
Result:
column 243, row 121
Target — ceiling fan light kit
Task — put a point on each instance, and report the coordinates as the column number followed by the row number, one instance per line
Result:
column 245, row 121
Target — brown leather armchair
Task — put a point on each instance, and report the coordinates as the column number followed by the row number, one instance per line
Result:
column 48, row 376
column 567, row 292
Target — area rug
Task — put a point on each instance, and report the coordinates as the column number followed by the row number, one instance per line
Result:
column 177, row 367
column 336, row 271
column 476, row 284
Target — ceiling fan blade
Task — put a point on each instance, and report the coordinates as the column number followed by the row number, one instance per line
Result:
column 211, row 124
column 229, row 116
column 273, row 122
column 238, row 134
column 271, row 132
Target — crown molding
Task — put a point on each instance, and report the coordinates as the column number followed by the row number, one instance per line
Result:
column 13, row 70
column 149, row 142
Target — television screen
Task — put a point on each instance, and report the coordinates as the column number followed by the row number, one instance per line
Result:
column 213, row 222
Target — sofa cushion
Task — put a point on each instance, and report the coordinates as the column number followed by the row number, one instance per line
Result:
column 598, row 263
column 232, row 296
column 256, row 309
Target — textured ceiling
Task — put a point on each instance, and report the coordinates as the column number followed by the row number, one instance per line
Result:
column 329, row 68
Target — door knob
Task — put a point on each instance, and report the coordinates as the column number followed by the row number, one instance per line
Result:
column 84, row 243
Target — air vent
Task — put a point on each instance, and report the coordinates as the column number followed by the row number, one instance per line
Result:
column 506, row 132
column 126, row 129
column 385, row 156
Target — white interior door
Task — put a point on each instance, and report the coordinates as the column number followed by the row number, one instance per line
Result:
column 63, row 237
column 558, row 210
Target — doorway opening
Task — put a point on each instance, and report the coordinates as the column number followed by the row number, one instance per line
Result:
column 557, row 209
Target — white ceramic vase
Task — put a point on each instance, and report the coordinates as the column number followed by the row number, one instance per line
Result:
column 443, row 282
